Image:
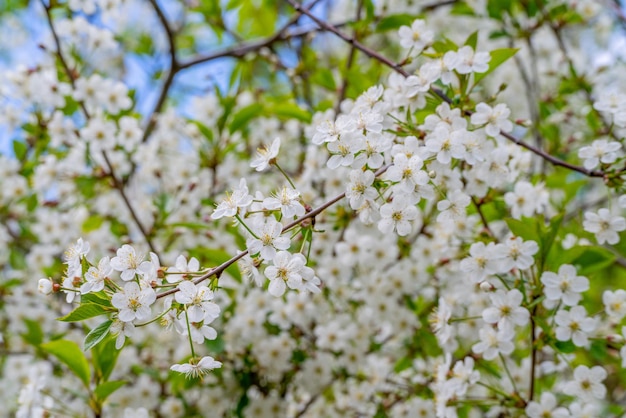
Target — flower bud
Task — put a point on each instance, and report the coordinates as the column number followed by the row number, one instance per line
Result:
column 486, row 287
column 45, row 286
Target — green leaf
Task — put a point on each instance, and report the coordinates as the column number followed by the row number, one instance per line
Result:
column 472, row 40
column 99, row 298
column 84, row 311
column 104, row 358
column 496, row 8
column 92, row 223
column 244, row 116
column 393, row 22
column 445, row 45
column 70, row 354
column 291, row 111
column 324, row 77
column 20, row 149
column 97, row 334
column 103, row 390
column 215, row 257
column 565, row 346
column 526, row 229
column 498, row 57
column 590, row 258
column 34, row 334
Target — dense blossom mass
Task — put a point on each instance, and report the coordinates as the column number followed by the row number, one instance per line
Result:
column 375, row 209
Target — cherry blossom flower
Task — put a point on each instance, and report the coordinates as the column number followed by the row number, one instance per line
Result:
column 95, row 277
column 495, row 119
column 287, row 200
column 565, row 286
column 587, row 383
column 265, row 156
column 330, row 131
column 526, row 199
column 269, row 239
column 615, row 304
column 127, row 262
column 493, row 343
column 516, row 253
column 397, row 216
column 198, row 300
column 360, row 188
column 453, row 208
column 481, row 261
column 288, row 270
column 467, row 61
column 604, row 225
column 199, row 369
column 506, row 310
column 574, row 325
column 182, row 266
column 133, row 302
column 229, row 207
column 600, row 151
column 547, row 407
column 416, row 37
column 73, row 255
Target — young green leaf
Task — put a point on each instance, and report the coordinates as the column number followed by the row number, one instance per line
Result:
column 84, row 311
column 97, row 334
column 69, row 353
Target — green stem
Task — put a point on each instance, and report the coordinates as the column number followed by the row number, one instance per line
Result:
column 246, row 226
column 286, row 175
column 193, row 352
column 508, row 373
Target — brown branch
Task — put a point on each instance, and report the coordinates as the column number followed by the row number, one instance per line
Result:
column 169, row 80
column 344, row 85
column 217, row 271
column 398, row 68
column 116, row 182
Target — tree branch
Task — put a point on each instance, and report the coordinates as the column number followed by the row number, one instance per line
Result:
column 398, row 68
column 217, row 271
column 111, row 173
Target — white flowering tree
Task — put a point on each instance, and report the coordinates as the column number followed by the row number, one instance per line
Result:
column 354, row 208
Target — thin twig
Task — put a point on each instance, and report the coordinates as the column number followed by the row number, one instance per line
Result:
column 217, row 271
column 116, row 182
column 398, row 68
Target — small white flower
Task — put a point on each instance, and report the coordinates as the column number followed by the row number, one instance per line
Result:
column 397, row 216
column 604, row 225
column 133, row 302
column 417, row 36
column 493, row 342
column 266, row 155
column 199, row 369
column 45, row 286
column 547, row 407
column 600, row 151
column 96, row 276
column 198, row 300
column 229, row 207
column 73, row 255
column 127, row 262
column 565, row 286
column 481, row 261
column 495, row 119
column 288, row 201
column 587, row 383
column 287, row 270
column 269, row 239
column 506, row 310
column 516, row 253
column 615, row 304
column 575, row 325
